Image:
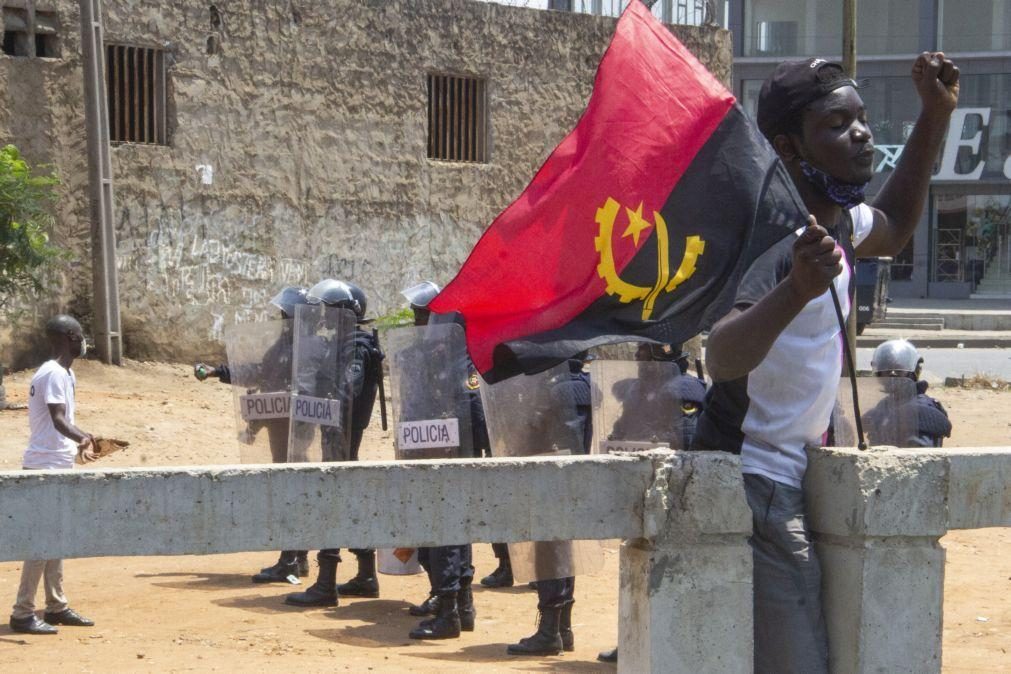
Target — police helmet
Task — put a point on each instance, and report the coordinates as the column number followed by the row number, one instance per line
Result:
column 363, row 301
column 334, row 293
column 896, row 357
column 420, row 295
column 289, row 298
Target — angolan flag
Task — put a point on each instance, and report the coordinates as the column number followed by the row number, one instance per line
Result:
column 638, row 225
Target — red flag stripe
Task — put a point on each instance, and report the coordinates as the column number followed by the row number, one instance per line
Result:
column 653, row 107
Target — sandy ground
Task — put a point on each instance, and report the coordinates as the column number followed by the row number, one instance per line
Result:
column 203, row 614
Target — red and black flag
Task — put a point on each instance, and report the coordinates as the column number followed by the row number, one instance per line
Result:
column 638, row 225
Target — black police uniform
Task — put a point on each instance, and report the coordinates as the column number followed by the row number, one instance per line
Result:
column 659, row 406
column 363, row 368
column 450, row 568
column 555, row 596
column 932, row 422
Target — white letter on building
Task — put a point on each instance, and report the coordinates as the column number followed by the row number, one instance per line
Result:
column 954, row 141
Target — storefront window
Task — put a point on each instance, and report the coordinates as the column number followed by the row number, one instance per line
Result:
column 814, row 27
column 901, row 268
column 971, row 238
column 974, row 25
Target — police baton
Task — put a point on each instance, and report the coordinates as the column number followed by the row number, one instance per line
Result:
column 382, row 386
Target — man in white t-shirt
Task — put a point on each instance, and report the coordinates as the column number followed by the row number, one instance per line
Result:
column 776, row 357
column 54, row 444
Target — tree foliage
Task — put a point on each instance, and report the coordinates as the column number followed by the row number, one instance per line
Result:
column 25, row 219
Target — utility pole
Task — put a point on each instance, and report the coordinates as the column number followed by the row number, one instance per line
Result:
column 105, row 283
column 849, row 37
column 849, row 57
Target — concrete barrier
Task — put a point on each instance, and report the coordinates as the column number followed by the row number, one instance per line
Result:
column 877, row 518
column 685, row 566
column 686, row 576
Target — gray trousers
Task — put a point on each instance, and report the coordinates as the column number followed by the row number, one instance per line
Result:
column 51, row 570
column 31, row 573
column 790, row 634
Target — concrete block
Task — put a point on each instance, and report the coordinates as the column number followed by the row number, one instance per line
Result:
column 91, row 513
column 878, row 492
column 979, row 486
column 686, row 595
column 686, row 609
column 883, row 602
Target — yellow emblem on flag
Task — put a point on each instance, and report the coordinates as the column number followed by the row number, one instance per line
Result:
column 628, row 292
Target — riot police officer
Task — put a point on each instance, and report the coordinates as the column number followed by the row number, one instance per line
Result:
column 449, row 567
column 363, row 359
column 555, row 596
column 275, row 373
column 899, row 358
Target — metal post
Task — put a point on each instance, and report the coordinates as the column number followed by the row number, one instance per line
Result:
column 849, row 57
column 106, row 327
column 849, row 45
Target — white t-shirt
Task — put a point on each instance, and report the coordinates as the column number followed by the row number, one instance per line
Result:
column 784, row 404
column 47, row 447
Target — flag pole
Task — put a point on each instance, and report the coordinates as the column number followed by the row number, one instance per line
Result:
column 851, row 366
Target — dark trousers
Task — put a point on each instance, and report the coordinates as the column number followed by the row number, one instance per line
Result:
column 555, row 593
column 501, row 551
column 449, row 567
column 790, row 631
column 335, row 553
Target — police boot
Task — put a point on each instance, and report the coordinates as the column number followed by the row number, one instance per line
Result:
column 500, row 577
column 428, row 607
column 445, row 625
column 321, row 593
column 302, row 558
column 365, row 583
column 287, row 565
column 565, row 627
column 546, row 640
column 465, row 606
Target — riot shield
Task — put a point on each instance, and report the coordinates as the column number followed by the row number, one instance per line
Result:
column 321, row 384
column 640, row 405
column 542, row 415
column 887, row 409
column 259, row 361
column 429, row 368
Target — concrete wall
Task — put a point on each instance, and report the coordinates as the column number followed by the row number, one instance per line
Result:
column 313, row 116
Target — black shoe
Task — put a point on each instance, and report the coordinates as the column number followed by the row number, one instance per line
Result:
column 277, row 574
column 446, row 625
column 316, row 595
column 68, row 616
column 465, row 607
column 545, row 641
column 565, row 627
column 360, row 587
column 324, row 591
column 428, row 607
column 500, row 577
column 608, row 656
column 32, row 625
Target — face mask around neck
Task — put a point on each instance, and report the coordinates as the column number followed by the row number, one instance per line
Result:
column 845, row 195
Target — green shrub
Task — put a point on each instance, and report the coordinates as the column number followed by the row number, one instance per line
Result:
column 25, row 219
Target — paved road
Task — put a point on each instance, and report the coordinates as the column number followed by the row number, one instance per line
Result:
column 941, row 363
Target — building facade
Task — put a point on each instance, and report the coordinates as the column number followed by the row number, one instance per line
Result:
column 262, row 143
column 962, row 246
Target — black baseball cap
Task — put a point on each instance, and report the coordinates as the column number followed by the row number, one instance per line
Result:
column 793, row 85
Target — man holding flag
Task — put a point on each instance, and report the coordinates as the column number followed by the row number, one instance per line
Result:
column 776, row 357
column 665, row 209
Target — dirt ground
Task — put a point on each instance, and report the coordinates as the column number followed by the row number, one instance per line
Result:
column 203, row 614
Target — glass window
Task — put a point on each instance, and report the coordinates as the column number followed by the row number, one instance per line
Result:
column 974, row 25
column 972, row 239
column 814, row 27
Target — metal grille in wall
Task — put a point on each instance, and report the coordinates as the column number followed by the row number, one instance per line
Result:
column 135, row 83
column 457, row 119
